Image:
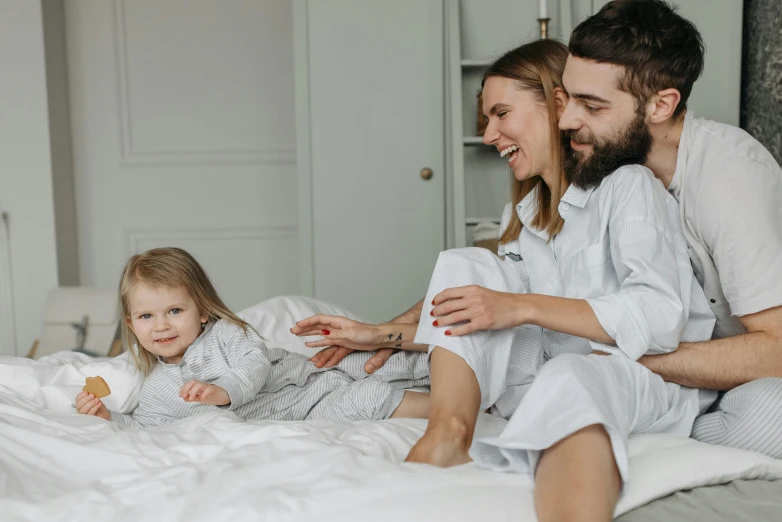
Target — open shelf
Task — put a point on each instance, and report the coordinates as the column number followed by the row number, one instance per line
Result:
column 476, row 64
column 473, row 140
column 471, row 221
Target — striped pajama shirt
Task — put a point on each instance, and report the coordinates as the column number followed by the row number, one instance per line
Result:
column 622, row 250
column 273, row 383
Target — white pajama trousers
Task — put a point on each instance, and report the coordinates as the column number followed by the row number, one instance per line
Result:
column 549, row 402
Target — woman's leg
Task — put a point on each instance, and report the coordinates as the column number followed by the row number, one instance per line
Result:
column 470, row 373
column 454, row 405
column 577, row 479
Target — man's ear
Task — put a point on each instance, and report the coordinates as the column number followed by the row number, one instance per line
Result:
column 663, row 105
column 560, row 100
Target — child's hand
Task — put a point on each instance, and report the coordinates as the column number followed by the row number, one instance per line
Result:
column 196, row 391
column 88, row 404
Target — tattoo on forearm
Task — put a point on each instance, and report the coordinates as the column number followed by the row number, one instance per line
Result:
column 398, row 339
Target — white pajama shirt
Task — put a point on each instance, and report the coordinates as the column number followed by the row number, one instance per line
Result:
column 622, row 250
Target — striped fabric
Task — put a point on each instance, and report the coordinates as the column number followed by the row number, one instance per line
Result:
column 622, row 250
column 747, row 417
column 274, row 383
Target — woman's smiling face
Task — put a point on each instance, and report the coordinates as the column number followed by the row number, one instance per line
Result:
column 518, row 127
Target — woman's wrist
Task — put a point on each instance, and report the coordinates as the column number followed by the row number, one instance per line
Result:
column 527, row 311
column 395, row 335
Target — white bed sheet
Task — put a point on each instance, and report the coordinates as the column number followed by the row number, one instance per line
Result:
column 56, row 465
column 60, row 466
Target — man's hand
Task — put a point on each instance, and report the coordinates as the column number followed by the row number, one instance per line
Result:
column 197, row 391
column 88, row 404
column 478, row 308
column 330, row 357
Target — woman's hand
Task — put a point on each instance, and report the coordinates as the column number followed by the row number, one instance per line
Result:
column 479, row 309
column 88, row 404
column 340, row 332
column 197, row 391
column 342, row 336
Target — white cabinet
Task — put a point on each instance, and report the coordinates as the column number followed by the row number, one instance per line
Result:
column 370, row 111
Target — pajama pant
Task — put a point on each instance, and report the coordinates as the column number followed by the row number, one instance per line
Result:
column 747, row 417
column 297, row 390
column 551, row 401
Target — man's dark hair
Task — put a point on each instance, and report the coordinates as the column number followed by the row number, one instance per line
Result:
column 656, row 46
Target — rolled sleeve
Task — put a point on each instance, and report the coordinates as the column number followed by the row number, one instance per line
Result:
column 647, row 314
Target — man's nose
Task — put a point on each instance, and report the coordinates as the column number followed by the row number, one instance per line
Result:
column 569, row 120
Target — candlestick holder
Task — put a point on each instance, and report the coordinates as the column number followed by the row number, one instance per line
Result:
column 544, row 27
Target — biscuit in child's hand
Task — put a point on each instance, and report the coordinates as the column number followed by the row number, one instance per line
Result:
column 97, row 386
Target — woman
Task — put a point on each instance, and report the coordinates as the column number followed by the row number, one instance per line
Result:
column 596, row 267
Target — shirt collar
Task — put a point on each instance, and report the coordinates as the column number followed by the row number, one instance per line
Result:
column 577, row 196
column 527, row 209
column 682, row 156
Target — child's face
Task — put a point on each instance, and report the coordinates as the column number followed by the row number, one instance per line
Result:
column 166, row 321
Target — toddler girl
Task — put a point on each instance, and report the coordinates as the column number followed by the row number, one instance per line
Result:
column 198, row 357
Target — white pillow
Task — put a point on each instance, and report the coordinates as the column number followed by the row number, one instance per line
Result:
column 274, row 318
column 53, row 382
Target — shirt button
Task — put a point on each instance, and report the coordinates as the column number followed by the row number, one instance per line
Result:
column 564, row 206
column 713, row 300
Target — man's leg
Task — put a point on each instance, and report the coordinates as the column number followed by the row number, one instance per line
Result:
column 577, row 479
column 747, row 417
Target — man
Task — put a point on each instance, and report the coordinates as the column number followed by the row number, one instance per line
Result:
column 629, row 75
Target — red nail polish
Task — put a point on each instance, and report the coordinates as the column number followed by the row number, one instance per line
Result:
column 434, row 323
column 447, row 332
column 432, row 302
column 431, row 313
column 325, row 332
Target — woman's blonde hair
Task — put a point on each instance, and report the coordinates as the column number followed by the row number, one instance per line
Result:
column 168, row 268
column 537, row 67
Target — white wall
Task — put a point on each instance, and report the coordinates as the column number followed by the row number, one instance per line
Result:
column 25, row 167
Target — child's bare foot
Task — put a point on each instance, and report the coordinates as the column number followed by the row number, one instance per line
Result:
column 444, row 444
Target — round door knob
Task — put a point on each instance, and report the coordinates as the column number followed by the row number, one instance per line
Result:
column 426, row 173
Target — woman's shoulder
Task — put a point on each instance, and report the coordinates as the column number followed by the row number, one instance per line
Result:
column 630, row 177
column 629, row 182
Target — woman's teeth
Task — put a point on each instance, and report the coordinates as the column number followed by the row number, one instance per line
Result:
column 509, row 150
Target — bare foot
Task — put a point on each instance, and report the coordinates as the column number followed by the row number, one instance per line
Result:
column 444, row 444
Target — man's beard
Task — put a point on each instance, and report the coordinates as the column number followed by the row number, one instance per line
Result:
column 631, row 147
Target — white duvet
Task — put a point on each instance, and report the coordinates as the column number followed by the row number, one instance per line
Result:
column 60, row 466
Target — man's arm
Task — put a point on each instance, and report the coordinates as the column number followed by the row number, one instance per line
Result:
column 412, row 316
column 722, row 364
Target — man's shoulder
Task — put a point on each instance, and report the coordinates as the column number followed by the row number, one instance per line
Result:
column 719, row 148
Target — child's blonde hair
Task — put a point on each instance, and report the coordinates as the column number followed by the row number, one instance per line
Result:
column 168, row 268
